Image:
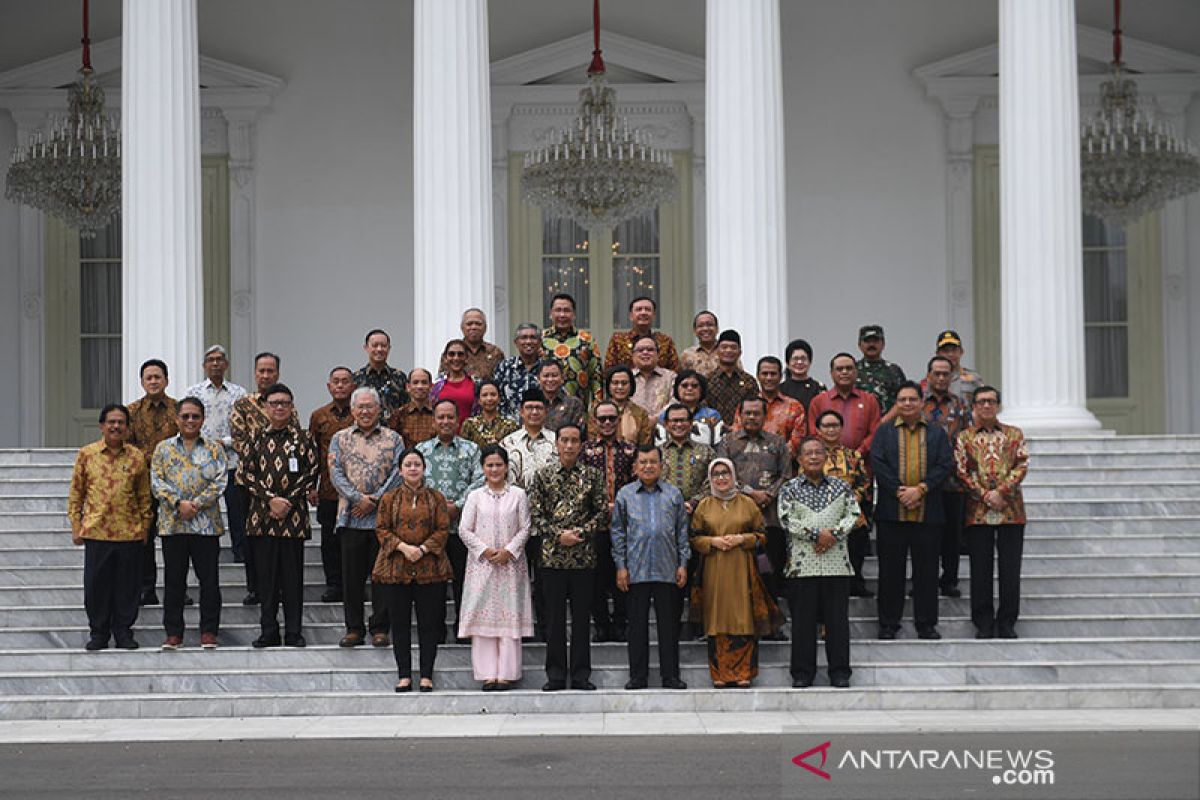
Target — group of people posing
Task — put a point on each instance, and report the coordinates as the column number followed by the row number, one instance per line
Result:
column 552, row 490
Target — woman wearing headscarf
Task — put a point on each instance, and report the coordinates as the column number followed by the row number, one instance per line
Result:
column 727, row 526
column 412, row 567
column 496, row 604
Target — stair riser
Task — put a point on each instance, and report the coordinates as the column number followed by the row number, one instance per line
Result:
column 1100, row 491
column 1044, row 475
column 1115, row 444
column 39, row 456
column 441, row 703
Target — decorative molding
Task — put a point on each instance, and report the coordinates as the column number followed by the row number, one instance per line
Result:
column 31, row 305
column 544, row 62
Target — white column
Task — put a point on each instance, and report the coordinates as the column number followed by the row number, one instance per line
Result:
column 1041, row 256
column 30, row 257
column 452, row 172
column 242, row 211
column 746, row 269
column 960, row 252
column 162, row 282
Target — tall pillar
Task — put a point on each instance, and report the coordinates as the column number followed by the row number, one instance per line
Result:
column 1041, row 255
column 746, row 269
column 162, row 282
column 452, row 172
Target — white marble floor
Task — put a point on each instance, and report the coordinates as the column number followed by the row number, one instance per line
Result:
column 434, row 726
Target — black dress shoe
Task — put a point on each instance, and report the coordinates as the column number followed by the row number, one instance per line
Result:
column 489, row 686
column 887, row 633
column 840, row 682
column 603, row 634
column 929, row 634
column 634, row 684
column 331, row 595
column 401, row 688
column 251, row 599
column 96, row 643
column 951, row 591
column 777, row 636
column 554, row 686
column 802, row 683
column 859, row 589
column 425, row 688
column 985, row 633
column 673, row 683
column 1007, row 633
column 266, row 641
column 294, row 641
column 188, row 601
column 583, row 686
column 127, row 644
column 148, row 598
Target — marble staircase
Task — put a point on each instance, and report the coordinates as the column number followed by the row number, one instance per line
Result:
column 1110, row 619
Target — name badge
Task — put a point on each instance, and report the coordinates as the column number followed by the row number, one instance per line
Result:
column 293, row 464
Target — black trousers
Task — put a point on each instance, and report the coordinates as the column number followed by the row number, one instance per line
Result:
column 1008, row 542
column 533, row 558
column 149, row 559
column 776, row 550
column 279, row 564
column 951, row 538
column 456, row 551
column 665, row 597
column 560, row 586
column 112, row 584
column 430, row 600
column 359, row 550
column 893, row 543
column 331, row 543
column 237, row 505
column 858, row 543
column 203, row 552
column 826, row 599
column 605, row 586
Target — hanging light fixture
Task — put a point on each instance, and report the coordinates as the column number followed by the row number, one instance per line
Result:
column 598, row 171
column 1132, row 163
column 73, row 172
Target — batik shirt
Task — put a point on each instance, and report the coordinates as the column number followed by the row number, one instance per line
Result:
column 650, row 532
column 576, row 351
column 280, row 463
column 322, row 425
column 882, row 379
column 218, row 408
column 987, row 459
column 763, row 463
column 560, row 498
column 951, row 414
column 685, row 466
column 484, row 432
column 527, row 454
column 414, row 423
column 703, row 361
column 614, row 458
column 849, row 466
column 514, row 379
column 198, row 476
column 805, row 509
column 392, row 385
column 248, row 419
column 109, row 498
column 653, row 391
column 480, row 363
column 620, row 350
column 363, row 463
column 453, row 469
column 151, row 422
column 727, row 390
column 564, row 409
column 785, row 418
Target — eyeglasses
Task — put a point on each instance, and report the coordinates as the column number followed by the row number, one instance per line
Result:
column 606, row 418
column 456, row 354
column 279, row 403
column 987, row 401
column 689, row 385
column 191, row 416
column 678, row 421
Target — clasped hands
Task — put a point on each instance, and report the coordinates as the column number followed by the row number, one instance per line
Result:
column 730, row 541
column 497, row 555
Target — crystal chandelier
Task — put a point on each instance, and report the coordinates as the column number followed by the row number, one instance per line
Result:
column 73, row 172
column 1131, row 162
column 598, row 172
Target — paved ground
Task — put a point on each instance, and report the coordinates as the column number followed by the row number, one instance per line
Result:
column 746, row 766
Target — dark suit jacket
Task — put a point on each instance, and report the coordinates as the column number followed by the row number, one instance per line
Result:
column 885, row 463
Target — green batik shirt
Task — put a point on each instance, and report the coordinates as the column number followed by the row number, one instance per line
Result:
column 453, row 469
column 576, row 351
column 882, row 379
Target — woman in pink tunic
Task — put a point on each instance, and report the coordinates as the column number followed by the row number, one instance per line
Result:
column 496, row 610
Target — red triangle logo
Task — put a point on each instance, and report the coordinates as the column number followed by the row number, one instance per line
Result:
column 823, row 749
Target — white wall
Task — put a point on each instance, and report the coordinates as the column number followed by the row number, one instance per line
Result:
column 10, row 303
